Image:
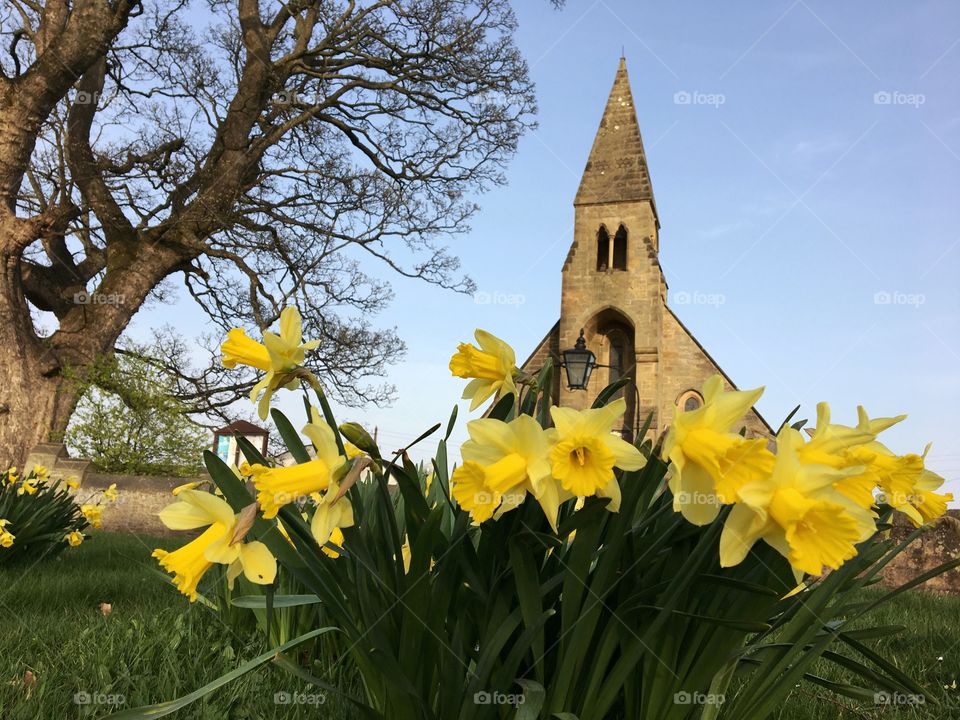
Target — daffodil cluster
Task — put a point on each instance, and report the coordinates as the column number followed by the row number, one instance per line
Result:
column 813, row 499
column 503, row 461
column 41, row 510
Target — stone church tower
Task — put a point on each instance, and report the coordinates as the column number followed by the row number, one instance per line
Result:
column 614, row 288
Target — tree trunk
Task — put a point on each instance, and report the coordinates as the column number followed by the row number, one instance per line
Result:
column 35, row 399
column 33, row 408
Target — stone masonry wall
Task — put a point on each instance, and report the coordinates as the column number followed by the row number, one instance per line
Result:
column 685, row 366
column 140, row 497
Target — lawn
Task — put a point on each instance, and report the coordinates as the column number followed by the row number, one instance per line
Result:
column 155, row 646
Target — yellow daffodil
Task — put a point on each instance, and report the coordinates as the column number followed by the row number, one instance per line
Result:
column 490, row 367
column 111, row 493
column 709, row 461
column 797, row 511
column 217, row 544
column 336, row 538
column 836, row 446
column 330, row 515
column 586, row 449
column 351, row 450
column 502, row 462
column 11, row 476
column 277, row 355
column 277, row 487
column 93, row 514
column 72, row 482
column 907, row 485
column 28, row 487
column 186, row 486
column 6, row 537
column 74, row 538
column 41, row 472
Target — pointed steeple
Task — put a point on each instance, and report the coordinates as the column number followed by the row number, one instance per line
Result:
column 617, row 170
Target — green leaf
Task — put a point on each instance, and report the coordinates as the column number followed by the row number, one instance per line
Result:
column 533, row 697
column 171, row 706
column 279, row 601
column 289, row 435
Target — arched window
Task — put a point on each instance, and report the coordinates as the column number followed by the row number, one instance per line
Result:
column 690, row 400
column 620, row 249
column 603, row 249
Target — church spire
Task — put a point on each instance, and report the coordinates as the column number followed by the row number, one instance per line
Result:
column 617, row 170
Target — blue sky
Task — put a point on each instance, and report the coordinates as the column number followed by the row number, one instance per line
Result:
column 807, row 193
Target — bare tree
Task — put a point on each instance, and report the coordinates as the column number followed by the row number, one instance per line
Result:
column 266, row 152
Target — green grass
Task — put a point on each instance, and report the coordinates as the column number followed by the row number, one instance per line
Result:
column 155, row 646
column 928, row 651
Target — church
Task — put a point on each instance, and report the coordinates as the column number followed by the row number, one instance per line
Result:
column 614, row 295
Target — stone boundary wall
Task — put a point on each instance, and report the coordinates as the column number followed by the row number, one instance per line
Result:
column 141, row 498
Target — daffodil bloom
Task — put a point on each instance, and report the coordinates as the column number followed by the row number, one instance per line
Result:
column 906, row 485
column 330, row 515
column 277, row 487
column 72, row 482
column 502, row 462
column 336, row 538
column 351, row 450
column 93, row 514
column 277, row 355
column 710, row 462
column 186, row 486
column 836, row 446
column 217, row 544
column 41, row 472
column 28, row 487
column 796, row 511
column 111, row 493
column 490, row 367
column 6, row 537
column 586, row 449
column 74, row 538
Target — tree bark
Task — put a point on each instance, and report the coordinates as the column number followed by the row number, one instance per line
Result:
column 35, row 398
